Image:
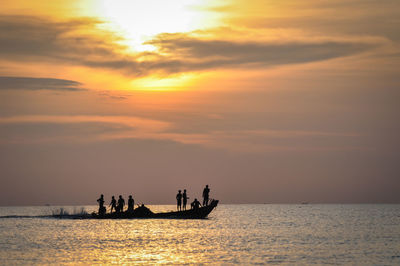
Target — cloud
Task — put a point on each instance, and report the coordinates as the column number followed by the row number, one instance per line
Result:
column 81, row 42
column 30, row 38
column 42, row 128
column 114, row 95
column 336, row 18
column 77, row 128
column 373, row 26
column 186, row 53
column 27, row 83
column 73, row 42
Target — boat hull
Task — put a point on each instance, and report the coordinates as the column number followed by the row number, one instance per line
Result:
column 144, row 212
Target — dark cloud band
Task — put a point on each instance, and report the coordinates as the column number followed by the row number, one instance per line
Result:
column 27, row 83
column 38, row 39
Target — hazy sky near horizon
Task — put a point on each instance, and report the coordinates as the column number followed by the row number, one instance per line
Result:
column 266, row 101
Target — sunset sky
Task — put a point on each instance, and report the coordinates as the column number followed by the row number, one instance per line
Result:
column 266, row 101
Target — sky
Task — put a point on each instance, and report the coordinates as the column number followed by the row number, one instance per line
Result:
column 265, row 101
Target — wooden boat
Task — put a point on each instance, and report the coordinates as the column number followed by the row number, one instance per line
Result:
column 144, row 212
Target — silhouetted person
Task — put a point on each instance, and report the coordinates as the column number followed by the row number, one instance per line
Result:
column 113, row 204
column 185, row 198
column 121, row 203
column 131, row 203
column 206, row 193
column 179, row 201
column 102, row 209
column 195, row 204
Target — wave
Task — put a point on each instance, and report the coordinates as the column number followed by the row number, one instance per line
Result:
column 60, row 213
column 25, row 216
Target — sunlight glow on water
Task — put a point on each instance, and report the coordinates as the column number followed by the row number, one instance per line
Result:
column 243, row 234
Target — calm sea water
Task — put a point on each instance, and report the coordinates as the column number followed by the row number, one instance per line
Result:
column 233, row 234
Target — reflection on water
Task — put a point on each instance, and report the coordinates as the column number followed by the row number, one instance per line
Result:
column 244, row 234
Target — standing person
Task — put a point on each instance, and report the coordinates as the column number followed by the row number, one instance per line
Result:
column 185, row 198
column 131, row 202
column 102, row 210
column 179, row 201
column 121, row 203
column 113, row 204
column 206, row 193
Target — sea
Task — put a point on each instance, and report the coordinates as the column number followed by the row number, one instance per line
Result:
column 284, row 234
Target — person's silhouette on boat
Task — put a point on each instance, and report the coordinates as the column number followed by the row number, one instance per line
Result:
column 195, row 204
column 206, row 193
column 131, row 203
column 102, row 209
column 179, row 201
column 113, row 204
column 121, row 203
column 185, row 198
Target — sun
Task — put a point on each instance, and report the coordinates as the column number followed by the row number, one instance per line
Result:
column 176, row 83
column 139, row 21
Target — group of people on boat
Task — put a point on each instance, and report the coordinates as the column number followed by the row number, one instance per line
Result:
column 117, row 206
column 181, row 199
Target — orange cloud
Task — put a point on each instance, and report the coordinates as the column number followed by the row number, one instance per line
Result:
column 80, row 42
